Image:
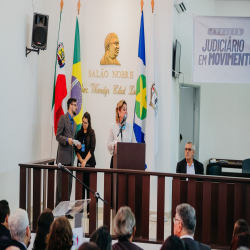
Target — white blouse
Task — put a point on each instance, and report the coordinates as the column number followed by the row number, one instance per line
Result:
column 127, row 136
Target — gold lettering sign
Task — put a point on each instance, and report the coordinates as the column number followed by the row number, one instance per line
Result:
column 117, row 89
column 112, row 47
column 132, row 90
column 97, row 90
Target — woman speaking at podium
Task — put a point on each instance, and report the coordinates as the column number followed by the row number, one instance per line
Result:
column 121, row 131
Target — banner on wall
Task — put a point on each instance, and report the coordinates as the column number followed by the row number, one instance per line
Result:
column 221, row 49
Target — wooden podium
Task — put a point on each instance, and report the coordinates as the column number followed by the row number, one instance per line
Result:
column 129, row 156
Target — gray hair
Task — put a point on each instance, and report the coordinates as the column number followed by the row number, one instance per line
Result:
column 193, row 146
column 124, row 223
column 188, row 217
column 18, row 222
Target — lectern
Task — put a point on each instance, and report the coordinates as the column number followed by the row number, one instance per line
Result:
column 129, row 156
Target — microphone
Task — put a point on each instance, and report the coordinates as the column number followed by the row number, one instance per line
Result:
column 124, row 119
column 61, row 166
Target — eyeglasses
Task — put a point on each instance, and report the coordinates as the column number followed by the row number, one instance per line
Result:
column 85, row 123
column 188, row 149
column 175, row 219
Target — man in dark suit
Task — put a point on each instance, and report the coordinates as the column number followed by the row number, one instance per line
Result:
column 189, row 165
column 4, row 219
column 184, row 227
column 66, row 132
column 20, row 229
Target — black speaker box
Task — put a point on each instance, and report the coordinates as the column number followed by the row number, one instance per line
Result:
column 40, row 31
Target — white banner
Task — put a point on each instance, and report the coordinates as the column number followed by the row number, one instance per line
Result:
column 221, row 49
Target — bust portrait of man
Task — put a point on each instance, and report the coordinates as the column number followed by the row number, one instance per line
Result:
column 111, row 45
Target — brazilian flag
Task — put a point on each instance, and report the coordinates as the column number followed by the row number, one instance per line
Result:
column 76, row 81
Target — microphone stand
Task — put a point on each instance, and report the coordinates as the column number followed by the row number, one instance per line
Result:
column 96, row 194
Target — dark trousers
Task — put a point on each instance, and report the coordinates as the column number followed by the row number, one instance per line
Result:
column 59, row 186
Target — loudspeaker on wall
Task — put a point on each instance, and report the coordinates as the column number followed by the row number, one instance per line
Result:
column 40, row 31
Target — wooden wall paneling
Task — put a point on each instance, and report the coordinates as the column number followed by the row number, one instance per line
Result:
column 107, row 197
column 22, row 191
column 36, row 196
column 199, row 210
column 65, row 186
column 176, row 197
column 51, row 189
column 79, row 186
column 206, row 212
column 93, row 204
column 145, row 206
column 160, row 208
column 131, row 192
column 222, row 213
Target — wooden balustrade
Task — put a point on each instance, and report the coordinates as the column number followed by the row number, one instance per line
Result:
column 219, row 201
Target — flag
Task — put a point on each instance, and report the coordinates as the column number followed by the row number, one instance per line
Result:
column 141, row 90
column 152, row 111
column 76, row 81
column 60, row 87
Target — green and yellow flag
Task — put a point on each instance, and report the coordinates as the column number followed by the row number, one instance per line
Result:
column 76, row 81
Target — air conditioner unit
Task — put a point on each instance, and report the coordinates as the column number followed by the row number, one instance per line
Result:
column 180, row 6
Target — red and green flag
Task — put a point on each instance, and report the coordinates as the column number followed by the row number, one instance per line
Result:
column 60, row 87
column 76, row 81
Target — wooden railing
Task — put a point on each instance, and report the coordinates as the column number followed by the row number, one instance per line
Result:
column 219, row 201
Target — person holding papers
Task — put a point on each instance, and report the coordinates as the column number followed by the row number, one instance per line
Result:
column 120, row 131
column 65, row 136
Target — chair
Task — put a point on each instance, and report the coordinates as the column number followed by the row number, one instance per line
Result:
column 214, row 169
column 246, row 166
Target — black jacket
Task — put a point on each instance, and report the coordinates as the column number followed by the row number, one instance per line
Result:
column 182, row 167
column 90, row 142
column 4, row 231
column 195, row 245
column 18, row 244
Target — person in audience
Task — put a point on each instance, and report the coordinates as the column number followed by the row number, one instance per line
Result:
column 240, row 240
column 102, row 238
column 173, row 243
column 189, row 165
column 60, row 235
column 89, row 246
column 43, row 226
column 4, row 219
column 184, row 226
column 240, row 226
column 20, row 229
column 124, row 227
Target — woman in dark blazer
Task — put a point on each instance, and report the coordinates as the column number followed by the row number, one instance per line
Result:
column 85, row 155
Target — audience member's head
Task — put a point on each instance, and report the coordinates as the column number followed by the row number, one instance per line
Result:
column 19, row 226
column 173, row 243
column 43, row 226
column 240, row 240
column 184, row 220
column 12, row 248
column 102, row 238
column 89, row 246
column 124, row 224
column 4, row 213
column 240, row 226
column 60, row 235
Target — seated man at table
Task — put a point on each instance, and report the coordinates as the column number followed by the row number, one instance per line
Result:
column 189, row 165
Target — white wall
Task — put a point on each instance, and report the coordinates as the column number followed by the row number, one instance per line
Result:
column 19, row 95
column 224, row 119
column 96, row 20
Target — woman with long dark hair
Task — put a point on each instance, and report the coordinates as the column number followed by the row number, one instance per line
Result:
column 60, row 235
column 43, row 226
